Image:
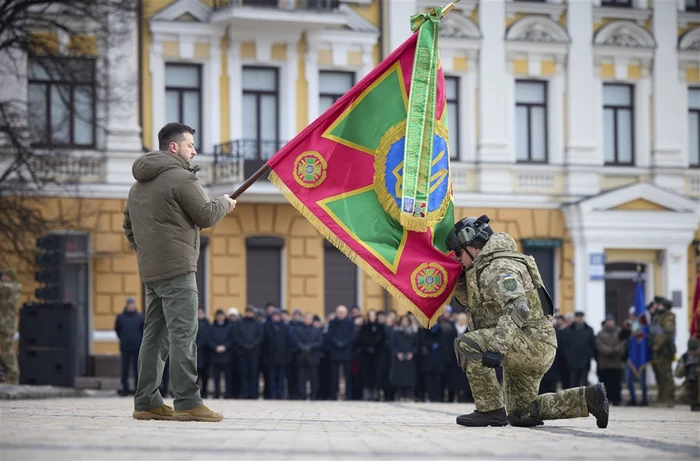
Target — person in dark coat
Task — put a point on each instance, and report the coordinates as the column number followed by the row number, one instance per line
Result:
column 551, row 377
column 235, row 391
column 389, row 324
column 452, row 376
column 220, row 344
column 296, row 321
column 340, row 338
column 324, row 365
column 276, row 349
column 579, row 342
column 129, row 329
column 308, row 341
column 432, row 363
column 248, row 338
column 371, row 341
column 562, row 327
column 356, row 362
column 404, row 347
column 203, row 355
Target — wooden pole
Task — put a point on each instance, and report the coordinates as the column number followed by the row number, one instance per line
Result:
column 249, row 182
column 265, row 168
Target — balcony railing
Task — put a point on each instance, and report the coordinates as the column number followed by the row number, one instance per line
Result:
column 240, row 159
column 319, row 5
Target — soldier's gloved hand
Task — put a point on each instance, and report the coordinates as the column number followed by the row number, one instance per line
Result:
column 491, row 359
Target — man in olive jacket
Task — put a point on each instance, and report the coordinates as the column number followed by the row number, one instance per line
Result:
column 166, row 208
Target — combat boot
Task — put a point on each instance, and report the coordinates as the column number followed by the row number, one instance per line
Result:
column 200, row 413
column 597, row 402
column 483, row 419
column 162, row 413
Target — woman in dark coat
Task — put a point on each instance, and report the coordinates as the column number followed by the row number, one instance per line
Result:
column 404, row 347
column 371, row 342
column 432, row 363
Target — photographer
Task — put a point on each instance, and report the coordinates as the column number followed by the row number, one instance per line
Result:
column 688, row 368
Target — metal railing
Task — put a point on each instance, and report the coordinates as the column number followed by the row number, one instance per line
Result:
column 237, row 160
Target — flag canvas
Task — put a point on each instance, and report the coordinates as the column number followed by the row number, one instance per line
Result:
column 344, row 173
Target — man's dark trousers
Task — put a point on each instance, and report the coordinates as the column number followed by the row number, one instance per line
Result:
column 305, row 373
column 129, row 357
column 335, row 378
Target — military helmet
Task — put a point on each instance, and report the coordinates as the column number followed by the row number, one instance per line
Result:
column 473, row 232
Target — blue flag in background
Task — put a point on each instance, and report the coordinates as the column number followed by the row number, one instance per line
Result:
column 639, row 342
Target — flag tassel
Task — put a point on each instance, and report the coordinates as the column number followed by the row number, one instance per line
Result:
column 347, row 251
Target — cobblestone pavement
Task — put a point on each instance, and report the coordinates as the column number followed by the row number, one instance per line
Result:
column 102, row 429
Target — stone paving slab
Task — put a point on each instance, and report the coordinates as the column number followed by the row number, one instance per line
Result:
column 102, row 429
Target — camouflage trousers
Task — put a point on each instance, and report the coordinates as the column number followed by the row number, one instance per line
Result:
column 664, row 379
column 523, row 368
column 9, row 356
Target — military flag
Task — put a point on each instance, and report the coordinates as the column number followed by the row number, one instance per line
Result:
column 639, row 346
column 372, row 174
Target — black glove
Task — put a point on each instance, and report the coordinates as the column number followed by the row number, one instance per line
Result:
column 491, row 359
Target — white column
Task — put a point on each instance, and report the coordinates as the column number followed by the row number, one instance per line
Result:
column 398, row 23
column 367, row 59
column 669, row 142
column 210, row 117
column 676, row 280
column 494, row 111
column 581, row 150
column 642, row 124
column 467, row 113
column 235, row 90
column 157, row 69
column 594, row 300
column 492, row 82
column 312, row 82
column 123, row 130
column 289, row 125
column 555, row 116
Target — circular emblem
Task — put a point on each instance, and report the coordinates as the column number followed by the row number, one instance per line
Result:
column 429, row 280
column 388, row 172
column 310, row 169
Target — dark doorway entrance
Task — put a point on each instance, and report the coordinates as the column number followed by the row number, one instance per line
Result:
column 340, row 275
column 620, row 288
column 264, row 271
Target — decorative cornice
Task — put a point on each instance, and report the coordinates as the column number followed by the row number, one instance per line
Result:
column 537, row 29
column 624, row 34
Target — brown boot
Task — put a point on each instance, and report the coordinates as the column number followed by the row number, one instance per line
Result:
column 163, row 412
column 200, row 413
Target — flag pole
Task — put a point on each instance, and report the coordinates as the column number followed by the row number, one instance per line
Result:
column 266, row 167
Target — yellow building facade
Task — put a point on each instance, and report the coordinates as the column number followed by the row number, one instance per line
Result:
column 563, row 210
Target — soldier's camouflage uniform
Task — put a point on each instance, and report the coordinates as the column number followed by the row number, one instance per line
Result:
column 663, row 330
column 496, row 279
column 9, row 297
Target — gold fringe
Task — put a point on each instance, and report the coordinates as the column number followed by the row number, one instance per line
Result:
column 354, row 257
column 414, row 223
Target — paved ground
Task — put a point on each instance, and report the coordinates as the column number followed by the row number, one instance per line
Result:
column 102, row 428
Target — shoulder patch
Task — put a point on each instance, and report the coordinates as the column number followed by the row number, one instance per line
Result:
column 510, row 283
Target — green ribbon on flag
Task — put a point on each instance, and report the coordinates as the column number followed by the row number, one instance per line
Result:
column 420, row 123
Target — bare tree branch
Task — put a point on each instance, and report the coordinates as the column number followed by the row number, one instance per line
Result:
column 55, row 99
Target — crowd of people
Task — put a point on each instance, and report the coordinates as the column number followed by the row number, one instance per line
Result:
column 379, row 355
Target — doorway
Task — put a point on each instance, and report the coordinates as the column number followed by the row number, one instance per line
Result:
column 620, row 288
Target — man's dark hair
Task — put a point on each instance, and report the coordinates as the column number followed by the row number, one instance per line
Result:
column 172, row 132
